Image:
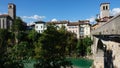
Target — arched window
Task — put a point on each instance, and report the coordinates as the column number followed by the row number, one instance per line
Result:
column 10, row 6
column 103, row 7
column 106, row 7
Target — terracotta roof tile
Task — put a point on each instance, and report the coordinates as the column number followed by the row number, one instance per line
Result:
column 73, row 24
column 5, row 15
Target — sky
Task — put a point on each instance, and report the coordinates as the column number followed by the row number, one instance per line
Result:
column 57, row 10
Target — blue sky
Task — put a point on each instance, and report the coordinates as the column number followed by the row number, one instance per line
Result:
column 47, row 10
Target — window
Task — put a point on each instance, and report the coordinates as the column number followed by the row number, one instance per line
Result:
column 103, row 7
column 10, row 6
column 81, row 29
column 81, row 33
column 41, row 26
column 106, row 7
column 36, row 26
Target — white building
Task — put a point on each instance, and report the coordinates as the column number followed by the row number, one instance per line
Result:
column 40, row 26
column 80, row 28
column 74, row 28
column 85, row 28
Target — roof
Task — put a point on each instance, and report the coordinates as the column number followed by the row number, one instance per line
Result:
column 5, row 16
column 84, row 21
column 105, row 19
column 73, row 24
column 39, row 22
column 104, row 3
column 80, row 22
column 58, row 22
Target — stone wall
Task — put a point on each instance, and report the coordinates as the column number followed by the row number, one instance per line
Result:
column 110, row 57
column 112, row 27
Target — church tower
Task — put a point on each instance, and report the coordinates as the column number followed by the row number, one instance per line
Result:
column 12, row 10
column 104, row 10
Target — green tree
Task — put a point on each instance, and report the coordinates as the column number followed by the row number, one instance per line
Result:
column 33, row 36
column 84, row 46
column 51, row 52
column 18, row 26
column 3, row 46
column 80, row 48
column 3, row 39
column 87, row 42
column 69, row 42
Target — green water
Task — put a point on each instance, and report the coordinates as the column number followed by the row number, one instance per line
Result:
column 77, row 62
column 81, row 62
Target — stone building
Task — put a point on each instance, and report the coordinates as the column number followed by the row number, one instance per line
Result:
column 6, row 20
column 104, row 10
column 104, row 15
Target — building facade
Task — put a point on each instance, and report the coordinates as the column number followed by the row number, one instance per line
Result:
column 104, row 16
column 104, row 10
column 6, row 20
column 85, row 28
column 80, row 28
column 40, row 26
column 74, row 28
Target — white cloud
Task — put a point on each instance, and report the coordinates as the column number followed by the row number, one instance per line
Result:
column 54, row 20
column 92, row 19
column 31, row 23
column 2, row 13
column 115, row 11
column 34, row 17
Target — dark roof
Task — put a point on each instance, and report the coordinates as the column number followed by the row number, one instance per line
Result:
column 73, row 24
column 39, row 22
column 84, row 21
column 104, row 3
column 80, row 22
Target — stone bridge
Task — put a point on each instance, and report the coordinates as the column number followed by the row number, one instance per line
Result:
column 106, row 45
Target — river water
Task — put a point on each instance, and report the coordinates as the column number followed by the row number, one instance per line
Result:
column 76, row 63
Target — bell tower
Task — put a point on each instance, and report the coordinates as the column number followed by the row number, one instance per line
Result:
column 104, row 10
column 12, row 10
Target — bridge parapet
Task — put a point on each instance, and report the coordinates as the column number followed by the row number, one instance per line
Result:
column 111, row 27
